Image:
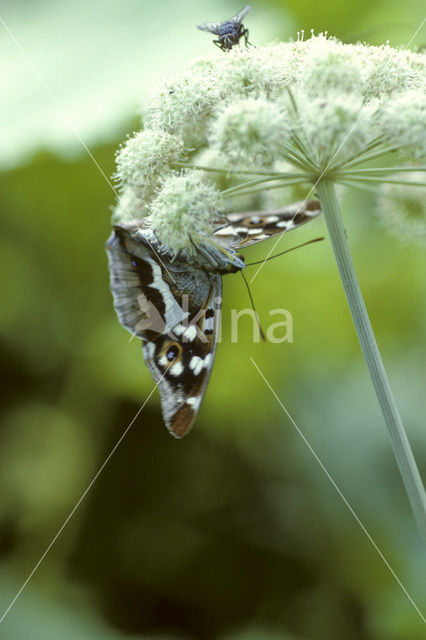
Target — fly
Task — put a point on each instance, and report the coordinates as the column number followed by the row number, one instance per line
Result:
column 230, row 32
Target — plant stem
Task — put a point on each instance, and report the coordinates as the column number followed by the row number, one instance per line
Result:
column 226, row 170
column 280, row 185
column 282, row 177
column 401, row 446
column 373, row 144
column 357, row 185
column 381, row 179
column 364, row 156
column 380, row 171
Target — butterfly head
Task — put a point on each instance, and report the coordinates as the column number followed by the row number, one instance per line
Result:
column 214, row 256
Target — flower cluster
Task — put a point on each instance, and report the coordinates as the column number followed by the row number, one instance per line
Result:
column 194, row 204
column 402, row 212
column 321, row 107
column 142, row 161
column 249, row 131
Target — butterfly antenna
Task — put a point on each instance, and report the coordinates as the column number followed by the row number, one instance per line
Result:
column 262, row 335
column 250, row 264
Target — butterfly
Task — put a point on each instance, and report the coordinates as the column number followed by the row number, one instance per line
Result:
column 229, row 32
column 173, row 302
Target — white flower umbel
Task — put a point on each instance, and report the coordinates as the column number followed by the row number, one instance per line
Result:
column 250, row 130
column 145, row 159
column 403, row 120
column 183, row 211
column 329, row 113
column 129, row 207
column 402, row 212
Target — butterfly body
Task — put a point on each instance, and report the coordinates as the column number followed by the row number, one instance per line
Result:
column 173, row 302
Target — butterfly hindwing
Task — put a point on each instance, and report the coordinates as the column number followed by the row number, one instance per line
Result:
column 244, row 229
column 181, row 362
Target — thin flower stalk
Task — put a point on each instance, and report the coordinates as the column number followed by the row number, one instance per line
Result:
column 401, row 446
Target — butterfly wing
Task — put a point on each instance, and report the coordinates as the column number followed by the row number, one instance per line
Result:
column 175, row 309
column 182, row 381
column 244, row 229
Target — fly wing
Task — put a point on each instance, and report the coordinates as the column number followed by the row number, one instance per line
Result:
column 217, row 27
column 211, row 27
column 239, row 17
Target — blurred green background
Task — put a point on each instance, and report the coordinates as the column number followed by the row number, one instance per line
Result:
column 235, row 532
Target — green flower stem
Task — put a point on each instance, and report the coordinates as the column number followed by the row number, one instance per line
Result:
column 380, row 171
column 363, row 151
column 358, row 185
column 226, row 171
column 261, row 189
column 364, row 156
column 300, row 152
column 283, row 177
column 292, row 156
column 270, row 175
column 401, row 446
column 378, row 179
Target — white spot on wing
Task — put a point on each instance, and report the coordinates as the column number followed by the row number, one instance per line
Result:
column 158, row 281
column 176, row 369
column 209, row 323
column 173, row 310
column 194, row 401
column 163, row 361
column 190, row 333
column 150, row 348
column 178, row 330
column 196, row 364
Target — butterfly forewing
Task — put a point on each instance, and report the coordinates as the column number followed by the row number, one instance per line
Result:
column 140, row 284
column 244, row 229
